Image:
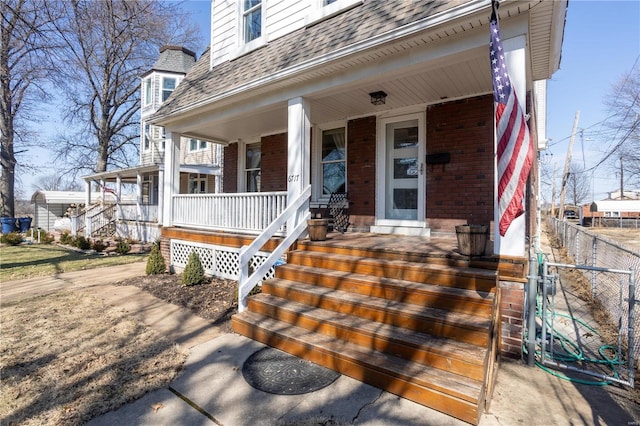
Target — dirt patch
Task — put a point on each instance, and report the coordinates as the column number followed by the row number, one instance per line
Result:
column 215, row 299
column 66, row 358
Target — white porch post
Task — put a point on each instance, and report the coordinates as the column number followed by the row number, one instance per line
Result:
column 87, row 194
column 118, row 195
column 138, row 195
column 160, row 200
column 513, row 243
column 172, row 177
column 298, row 153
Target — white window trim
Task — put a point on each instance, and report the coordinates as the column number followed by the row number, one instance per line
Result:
column 147, row 91
column 162, row 89
column 245, row 47
column 146, row 136
column 320, row 12
column 200, row 145
column 316, row 160
column 242, row 163
column 198, row 177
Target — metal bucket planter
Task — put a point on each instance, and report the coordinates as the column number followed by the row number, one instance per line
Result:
column 472, row 239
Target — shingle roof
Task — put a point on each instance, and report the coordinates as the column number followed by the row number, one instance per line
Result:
column 355, row 25
column 174, row 59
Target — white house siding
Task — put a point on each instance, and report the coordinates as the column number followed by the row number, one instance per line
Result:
column 285, row 16
column 223, row 30
column 209, row 155
column 282, row 17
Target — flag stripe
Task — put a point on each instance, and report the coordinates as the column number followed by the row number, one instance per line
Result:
column 514, row 148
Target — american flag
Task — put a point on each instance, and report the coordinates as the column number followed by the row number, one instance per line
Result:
column 515, row 151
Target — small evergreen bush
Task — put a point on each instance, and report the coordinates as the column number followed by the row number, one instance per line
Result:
column 98, row 245
column 155, row 261
column 66, row 238
column 193, row 273
column 11, row 238
column 123, row 247
column 82, row 243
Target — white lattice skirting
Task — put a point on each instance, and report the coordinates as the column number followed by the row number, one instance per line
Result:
column 217, row 261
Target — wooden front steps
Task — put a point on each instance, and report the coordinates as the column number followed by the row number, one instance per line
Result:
column 426, row 332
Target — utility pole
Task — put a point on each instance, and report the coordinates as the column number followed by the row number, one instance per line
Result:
column 565, row 176
column 553, row 191
column 621, row 180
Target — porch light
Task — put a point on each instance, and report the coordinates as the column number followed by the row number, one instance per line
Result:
column 378, row 98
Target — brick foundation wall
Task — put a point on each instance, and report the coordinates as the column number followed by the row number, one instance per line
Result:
column 165, row 250
column 361, row 172
column 460, row 191
column 273, row 176
column 512, row 319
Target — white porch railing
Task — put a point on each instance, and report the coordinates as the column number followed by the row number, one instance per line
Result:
column 250, row 212
column 145, row 213
column 246, row 282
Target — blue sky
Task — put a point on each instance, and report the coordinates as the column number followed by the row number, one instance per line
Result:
column 601, row 43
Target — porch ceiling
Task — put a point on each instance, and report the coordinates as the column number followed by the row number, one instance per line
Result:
column 457, row 76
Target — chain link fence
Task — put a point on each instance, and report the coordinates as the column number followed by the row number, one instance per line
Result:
column 605, row 301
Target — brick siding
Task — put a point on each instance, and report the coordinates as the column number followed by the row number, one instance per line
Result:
column 230, row 169
column 361, row 171
column 273, row 175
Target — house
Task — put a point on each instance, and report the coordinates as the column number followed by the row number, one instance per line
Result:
column 140, row 218
column 611, row 212
column 390, row 103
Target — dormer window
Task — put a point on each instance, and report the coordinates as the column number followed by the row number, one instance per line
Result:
column 168, row 86
column 146, row 88
column 252, row 20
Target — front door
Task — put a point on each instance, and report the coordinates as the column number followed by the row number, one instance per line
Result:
column 401, row 183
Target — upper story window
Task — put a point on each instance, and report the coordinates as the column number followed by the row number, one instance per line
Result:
column 168, row 86
column 333, row 161
column 324, row 9
column 252, row 19
column 253, row 157
column 146, row 89
column 328, row 2
column 147, row 136
column 197, row 145
column 163, row 137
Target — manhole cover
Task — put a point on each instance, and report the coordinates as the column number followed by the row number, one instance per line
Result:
column 273, row 371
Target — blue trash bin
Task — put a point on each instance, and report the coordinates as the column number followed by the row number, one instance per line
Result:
column 24, row 223
column 8, row 224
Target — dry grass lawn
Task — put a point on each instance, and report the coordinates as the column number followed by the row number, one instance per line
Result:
column 66, row 358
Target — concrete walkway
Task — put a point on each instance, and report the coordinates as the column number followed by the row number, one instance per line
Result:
column 212, row 390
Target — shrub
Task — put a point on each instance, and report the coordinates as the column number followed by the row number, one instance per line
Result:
column 43, row 236
column 155, row 261
column 66, row 238
column 193, row 273
column 11, row 238
column 82, row 243
column 123, row 247
column 98, row 245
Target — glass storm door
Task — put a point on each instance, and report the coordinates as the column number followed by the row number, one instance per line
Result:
column 404, row 192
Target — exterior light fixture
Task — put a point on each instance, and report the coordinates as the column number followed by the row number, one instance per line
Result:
column 378, row 98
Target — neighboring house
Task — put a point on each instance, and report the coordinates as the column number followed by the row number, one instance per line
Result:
column 390, row 102
column 611, row 212
column 50, row 207
column 199, row 161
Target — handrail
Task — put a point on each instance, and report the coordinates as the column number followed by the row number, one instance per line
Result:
column 246, row 283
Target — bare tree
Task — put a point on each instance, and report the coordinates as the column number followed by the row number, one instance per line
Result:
column 57, row 182
column 624, row 107
column 25, row 45
column 578, row 184
column 108, row 46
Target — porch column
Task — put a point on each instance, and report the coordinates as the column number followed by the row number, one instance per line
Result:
column 138, row 196
column 298, row 153
column 171, row 181
column 160, row 200
column 87, row 194
column 118, row 195
column 513, row 243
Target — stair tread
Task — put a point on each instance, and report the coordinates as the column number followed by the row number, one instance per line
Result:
column 412, row 286
column 418, row 374
column 461, row 319
column 457, row 270
column 472, row 354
